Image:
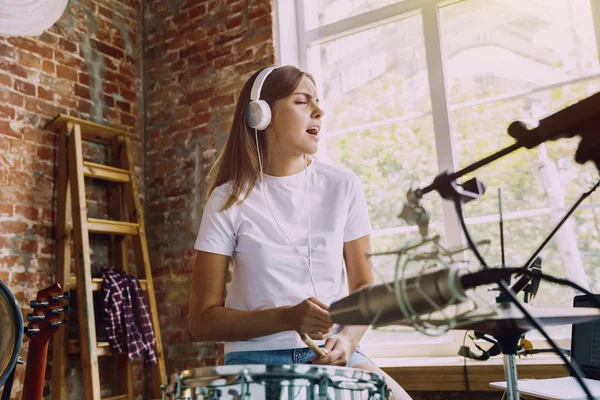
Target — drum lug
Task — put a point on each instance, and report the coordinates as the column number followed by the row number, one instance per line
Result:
column 323, row 389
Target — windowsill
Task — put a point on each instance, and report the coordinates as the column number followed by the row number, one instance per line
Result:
column 447, row 374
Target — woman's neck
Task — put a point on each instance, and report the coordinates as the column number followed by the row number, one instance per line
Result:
column 279, row 166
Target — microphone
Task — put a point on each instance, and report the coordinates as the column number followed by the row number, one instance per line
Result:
column 580, row 118
column 425, row 293
column 414, row 213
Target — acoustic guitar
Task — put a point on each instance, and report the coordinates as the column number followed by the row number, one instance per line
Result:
column 45, row 319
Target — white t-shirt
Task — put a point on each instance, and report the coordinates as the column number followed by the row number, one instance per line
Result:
column 268, row 272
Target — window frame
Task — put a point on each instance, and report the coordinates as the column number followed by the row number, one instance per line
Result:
column 292, row 46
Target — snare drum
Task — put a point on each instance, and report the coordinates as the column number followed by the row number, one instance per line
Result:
column 283, row 382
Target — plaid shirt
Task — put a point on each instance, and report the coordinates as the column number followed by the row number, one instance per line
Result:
column 122, row 295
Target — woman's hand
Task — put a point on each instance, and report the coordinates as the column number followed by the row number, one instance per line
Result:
column 311, row 316
column 339, row 348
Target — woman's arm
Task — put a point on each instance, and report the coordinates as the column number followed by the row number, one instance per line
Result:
column 360, row 274
column 209, row 320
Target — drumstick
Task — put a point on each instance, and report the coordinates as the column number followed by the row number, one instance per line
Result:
column 306, row 339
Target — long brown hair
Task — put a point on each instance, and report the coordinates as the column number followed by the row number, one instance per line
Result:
column 238, row 160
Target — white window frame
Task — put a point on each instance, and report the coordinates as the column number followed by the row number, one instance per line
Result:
column 292, row 47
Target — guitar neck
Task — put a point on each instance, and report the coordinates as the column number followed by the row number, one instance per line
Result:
column 35, row 372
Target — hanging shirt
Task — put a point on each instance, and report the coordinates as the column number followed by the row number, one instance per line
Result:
column 122, row 300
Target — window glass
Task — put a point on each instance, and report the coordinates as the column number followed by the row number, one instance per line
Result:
column 323, row 12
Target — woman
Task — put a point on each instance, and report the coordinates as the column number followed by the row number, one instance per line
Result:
column 287, row 222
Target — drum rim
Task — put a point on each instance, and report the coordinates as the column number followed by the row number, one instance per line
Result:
column 275, row 368
column 18, row 318
column 216, row 372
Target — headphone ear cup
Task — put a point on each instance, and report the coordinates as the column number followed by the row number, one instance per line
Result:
column 258, row 114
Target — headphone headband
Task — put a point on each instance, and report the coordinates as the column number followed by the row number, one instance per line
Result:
column 259, row 82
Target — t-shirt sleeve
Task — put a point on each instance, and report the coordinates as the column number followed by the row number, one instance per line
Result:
column 357, row 221
column 216, row 233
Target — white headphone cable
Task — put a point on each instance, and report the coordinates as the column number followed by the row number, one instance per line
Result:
column 264, row 190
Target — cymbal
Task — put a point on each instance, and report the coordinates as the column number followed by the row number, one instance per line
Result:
column 507, row 317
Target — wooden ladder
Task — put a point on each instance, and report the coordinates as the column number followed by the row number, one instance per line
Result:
column 126, row 219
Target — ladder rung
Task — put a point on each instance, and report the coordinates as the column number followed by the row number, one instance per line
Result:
column 114, row 227
column 102, row 348
column 97, row 283
column 106, row 172
column 120, row 397
column 89, row 130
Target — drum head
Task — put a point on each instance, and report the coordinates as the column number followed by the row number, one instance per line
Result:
column 11, row 335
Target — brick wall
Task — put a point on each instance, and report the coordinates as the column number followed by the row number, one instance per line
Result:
column 87, row 65
column 198, row 56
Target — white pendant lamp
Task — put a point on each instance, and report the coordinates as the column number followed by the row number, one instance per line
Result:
column 29, row 17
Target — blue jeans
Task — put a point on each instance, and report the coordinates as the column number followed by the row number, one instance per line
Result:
column 285, row 357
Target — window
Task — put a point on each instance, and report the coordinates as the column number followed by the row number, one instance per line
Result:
column 414, row 87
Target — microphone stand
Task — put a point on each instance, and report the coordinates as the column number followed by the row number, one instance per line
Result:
column 523, row 280
column 445, row 184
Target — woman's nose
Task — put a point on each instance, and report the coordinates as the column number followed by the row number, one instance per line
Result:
column 318, row 111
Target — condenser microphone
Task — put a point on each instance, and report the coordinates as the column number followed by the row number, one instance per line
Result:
column 377, row 305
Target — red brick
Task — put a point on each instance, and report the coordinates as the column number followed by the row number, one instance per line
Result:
column 6, row 210
column 223, row 100
column 118, row 78
column 5, row 80
column 45, row 153
column 257, row 12
column 25, row 245
column 29, row 60
column 40, row 107
column 13, row 68
column 7, row 112
column 25, row 88
column 82, row 91
column 124, row 106
column 32, row 46
column 28, row 212
column 48, row 67
column 105, row 12
column 111, row 88
column 197, row 11
column 45, row 94
column 47, row 249
column 84, row 106
column 234, row 22
column 5, row 129
column 7, row 51
column 200, row 119
column 49, row 38
column 12, row 98
column 83, row 78
column 127, row 119
column 107, row 49
column 9, row 262
column 69, row 60
column 67, row 45
column 13, row 227
column 25, row 278
column 66, row 73
column 109, row 101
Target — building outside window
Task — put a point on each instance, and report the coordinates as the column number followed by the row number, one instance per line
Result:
column 412, row 88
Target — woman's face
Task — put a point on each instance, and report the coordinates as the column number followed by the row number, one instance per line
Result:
column 296, row 122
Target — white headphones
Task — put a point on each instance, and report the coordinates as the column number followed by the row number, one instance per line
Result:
column 258, row 112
